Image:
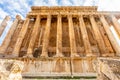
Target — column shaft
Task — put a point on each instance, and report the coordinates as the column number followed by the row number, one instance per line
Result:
column 7, row 39
column 59, row 36
column 40, row 37
column 46, row 37
column 33, row 36
column 116, row 24
column 86, row 42
column 98, row 36
column 110, row 35
column 21, row 37
column 72, row 37
column 4, row 24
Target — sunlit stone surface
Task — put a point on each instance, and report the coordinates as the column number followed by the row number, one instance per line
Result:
column 60, row 42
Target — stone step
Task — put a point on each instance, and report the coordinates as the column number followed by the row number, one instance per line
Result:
column 60, row 79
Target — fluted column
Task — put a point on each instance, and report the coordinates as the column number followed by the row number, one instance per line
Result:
column 59, row 36
column 110, row 35
column 7, row 39
column 33, row 36
column 20, row 37
column 46, row 37
column 116, row 24
column 4, row 24
column 84, row 33
column 98, row 36
column 72, row 37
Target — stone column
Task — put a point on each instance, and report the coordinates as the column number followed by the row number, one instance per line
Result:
column 4, row 24
column 46, row 37
column 7, row 39
column 21, row 37
column 33, row 36
column 86, row 42
column 72, row 37
column 59, row 37
column 116, row 24
column 98, row 36
column 110, row 35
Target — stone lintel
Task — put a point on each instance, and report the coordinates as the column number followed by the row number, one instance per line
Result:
column 82, row 8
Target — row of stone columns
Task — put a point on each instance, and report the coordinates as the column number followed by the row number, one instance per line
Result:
column 33, row 36
column 84, row 33
column 73, row 48
column 21, row 36
column 98, row 37
column 9, row 35
column 110, row 35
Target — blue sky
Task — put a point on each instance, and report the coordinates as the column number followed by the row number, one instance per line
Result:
column 21, row 7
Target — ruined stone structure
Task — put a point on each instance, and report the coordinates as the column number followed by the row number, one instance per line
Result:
column 61, row 41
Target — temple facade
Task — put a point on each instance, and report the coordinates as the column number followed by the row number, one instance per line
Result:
column 61, row 41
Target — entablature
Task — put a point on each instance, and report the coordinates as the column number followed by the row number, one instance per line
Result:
column 64, row 9
column 33, row 14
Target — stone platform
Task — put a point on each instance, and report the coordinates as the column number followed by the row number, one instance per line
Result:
column 64, row 68
column 50, row 67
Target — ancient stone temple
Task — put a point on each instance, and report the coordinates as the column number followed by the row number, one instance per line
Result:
column 62, row 42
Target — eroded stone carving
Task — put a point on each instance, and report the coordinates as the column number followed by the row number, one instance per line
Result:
column 11, row 69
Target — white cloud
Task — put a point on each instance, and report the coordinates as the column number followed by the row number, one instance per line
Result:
column 39, row 3
column 88, row 3
column 3, row 13
column 65, row 3
column 0, row 21
column 52, row 2
column 91, row 2
column 14, row 7
column 109, row 5
column 77, row 2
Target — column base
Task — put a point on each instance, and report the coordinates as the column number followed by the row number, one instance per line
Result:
column 44, row 55
column 59, row 55
column 2, row 55
column 11, row 55
column 108, row 54
column 74, row 55
column 90, row 54
column 118, row 54
column 28, row 55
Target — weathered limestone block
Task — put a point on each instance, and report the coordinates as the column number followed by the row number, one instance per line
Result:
column 83, row 66
column 108, row 69
column 10, row 69
column 47, row 67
